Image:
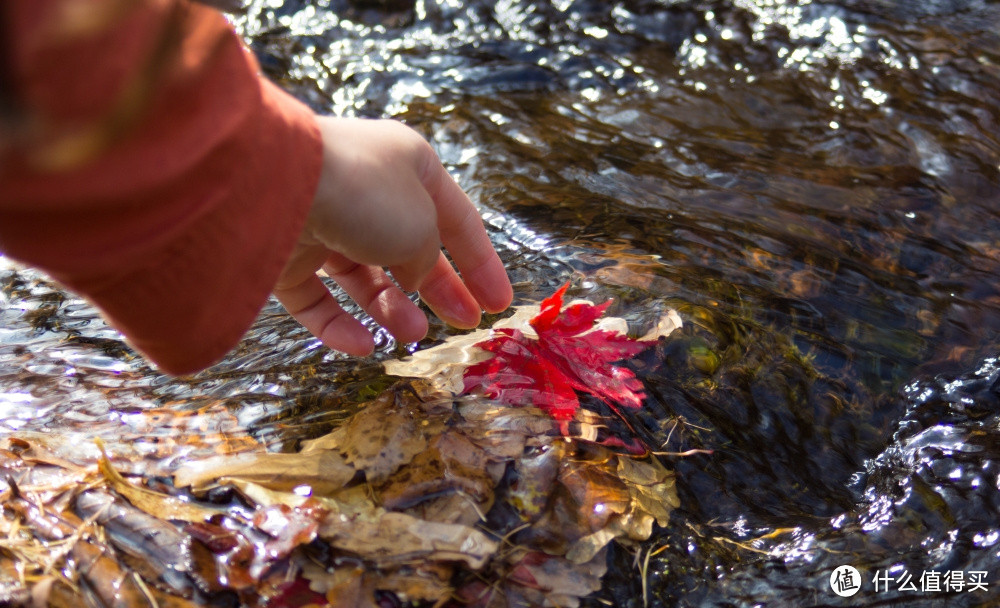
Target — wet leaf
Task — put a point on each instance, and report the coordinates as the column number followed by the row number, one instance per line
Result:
column 558, row 582
column 537, row 579
column 596, row 490
column 503, row 431
column 395, row 538
column 451, row 463
column 585, row 548
column 652, row 487
column 323, row 471
column 343, row 586
column 161, row 550
column 444, row 364
column 297, row 594
column 288, row 527
column 568, row 356
column 106, row 578
column 381, row 438
column 424, row 524
column 422, row 584
column 457, row 508
column 222, row 558
column 59, row 451
column 153, row 503
column 534, row 474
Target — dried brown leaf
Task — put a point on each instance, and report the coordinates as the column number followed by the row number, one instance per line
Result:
column 503, row 431
column 154, row 503
column 421, row 584
column 324, row 471
column 395, row 538
column 451, row 463
column 562, row 583
column 531, row 488
column 652, row 487
column 455, row 508
column 158, row 548
column 384, row 436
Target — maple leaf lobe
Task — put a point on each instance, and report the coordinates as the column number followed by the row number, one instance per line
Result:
column 567, row 358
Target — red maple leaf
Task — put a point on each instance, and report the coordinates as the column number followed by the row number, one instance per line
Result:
column 565, row 359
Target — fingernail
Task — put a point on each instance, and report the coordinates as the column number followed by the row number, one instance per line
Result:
column 462, row 314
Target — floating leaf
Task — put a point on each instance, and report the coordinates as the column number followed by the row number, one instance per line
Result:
column 568, row 356
column 444, row 364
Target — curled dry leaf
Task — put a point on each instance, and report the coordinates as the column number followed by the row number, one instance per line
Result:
column 154, row 503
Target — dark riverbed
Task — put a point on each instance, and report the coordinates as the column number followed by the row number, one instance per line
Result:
column 814, row 186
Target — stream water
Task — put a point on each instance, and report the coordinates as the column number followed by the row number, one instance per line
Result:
column 814, row 186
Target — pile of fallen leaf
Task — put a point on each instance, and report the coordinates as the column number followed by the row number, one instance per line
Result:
column 483, row 483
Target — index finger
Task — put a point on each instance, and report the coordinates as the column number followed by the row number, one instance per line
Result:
column 464, row 236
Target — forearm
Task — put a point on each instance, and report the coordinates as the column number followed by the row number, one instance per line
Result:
column 154, row 172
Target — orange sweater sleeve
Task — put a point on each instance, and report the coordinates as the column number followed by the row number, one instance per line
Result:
column 152, row 169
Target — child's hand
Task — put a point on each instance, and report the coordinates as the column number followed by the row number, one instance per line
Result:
column 384, row 201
